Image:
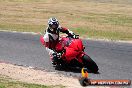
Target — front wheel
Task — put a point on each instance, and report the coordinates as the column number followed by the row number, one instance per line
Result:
column 90, row 64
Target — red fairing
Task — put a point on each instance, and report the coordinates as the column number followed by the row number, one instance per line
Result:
column 76, row 44
column 73, row 49
column 42, row 40
column 70, row 54
column 60, row 46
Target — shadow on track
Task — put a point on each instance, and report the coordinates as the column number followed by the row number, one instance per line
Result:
column 72, row 69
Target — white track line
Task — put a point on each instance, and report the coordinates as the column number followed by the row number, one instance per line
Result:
column 103, row 40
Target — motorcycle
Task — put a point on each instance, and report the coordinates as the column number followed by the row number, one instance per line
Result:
column 72, row 54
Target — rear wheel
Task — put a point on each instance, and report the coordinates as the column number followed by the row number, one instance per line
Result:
column 90, row 64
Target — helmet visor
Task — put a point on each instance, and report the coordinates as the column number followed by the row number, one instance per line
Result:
column 54, row 26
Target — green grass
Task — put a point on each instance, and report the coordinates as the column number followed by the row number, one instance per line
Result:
column 92, row 33
column 22, row 27
column 6, row 82
column 113, row 19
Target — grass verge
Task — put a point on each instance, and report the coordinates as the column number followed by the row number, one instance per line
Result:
column 6, row 82
column 88, row 18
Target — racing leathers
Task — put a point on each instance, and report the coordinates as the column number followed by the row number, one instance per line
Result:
column 51, row 38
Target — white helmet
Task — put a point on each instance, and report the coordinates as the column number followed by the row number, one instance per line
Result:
column 53, row 23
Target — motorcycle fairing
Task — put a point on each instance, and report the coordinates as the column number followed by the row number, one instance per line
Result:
column 73, row 48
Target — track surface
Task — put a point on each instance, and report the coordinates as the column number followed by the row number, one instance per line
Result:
column 114, row 59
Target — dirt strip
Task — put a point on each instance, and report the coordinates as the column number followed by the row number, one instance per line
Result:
column 30, row 75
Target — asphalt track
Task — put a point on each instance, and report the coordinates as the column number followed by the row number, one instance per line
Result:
column 113, row 58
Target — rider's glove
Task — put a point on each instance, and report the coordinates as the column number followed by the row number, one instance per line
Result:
column 75, row 36
column 56, row 57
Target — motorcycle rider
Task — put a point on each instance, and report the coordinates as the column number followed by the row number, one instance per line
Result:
column 51, row 37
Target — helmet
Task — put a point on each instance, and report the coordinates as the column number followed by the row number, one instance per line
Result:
column 53, row 24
